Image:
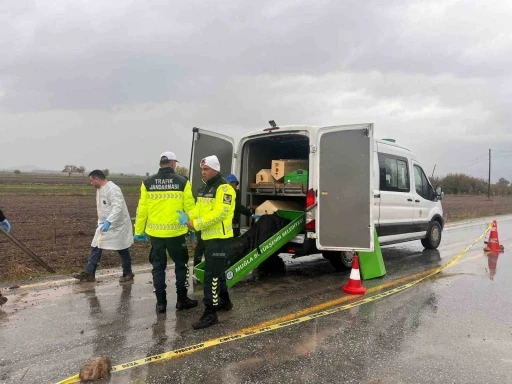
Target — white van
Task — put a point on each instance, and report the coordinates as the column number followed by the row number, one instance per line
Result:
column 356, row 184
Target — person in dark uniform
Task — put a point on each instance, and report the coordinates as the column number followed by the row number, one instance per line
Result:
column 213, row 216
column 239, row 208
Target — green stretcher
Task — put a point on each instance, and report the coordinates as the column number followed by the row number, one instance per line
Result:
column 244, row 266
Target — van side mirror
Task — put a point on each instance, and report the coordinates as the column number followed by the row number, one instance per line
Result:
column 439, row 192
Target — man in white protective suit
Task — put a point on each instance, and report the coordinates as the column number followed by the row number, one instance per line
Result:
column 114, row 230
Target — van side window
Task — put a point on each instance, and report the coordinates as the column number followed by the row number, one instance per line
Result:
column 403, row 175
column 394, row 173
column 421, row 184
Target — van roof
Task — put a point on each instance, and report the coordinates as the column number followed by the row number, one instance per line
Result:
column 392, row 144
column 309, row 128
column 282, row 128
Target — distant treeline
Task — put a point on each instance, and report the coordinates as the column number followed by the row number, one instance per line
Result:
column 460, row 183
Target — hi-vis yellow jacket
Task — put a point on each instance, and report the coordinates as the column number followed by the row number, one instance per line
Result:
column 215, row 207
column 161, row 195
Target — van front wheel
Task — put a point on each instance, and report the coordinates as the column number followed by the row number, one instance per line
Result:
column 339, row 260
column 433, row 238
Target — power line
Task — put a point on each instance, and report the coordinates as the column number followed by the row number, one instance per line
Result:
column 469, row 165
column 474, row 163
column 478, row 158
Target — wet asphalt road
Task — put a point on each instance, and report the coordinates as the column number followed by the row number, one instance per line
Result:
column 455, row 328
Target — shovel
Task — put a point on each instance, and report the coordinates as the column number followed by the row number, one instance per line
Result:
column 27, row 251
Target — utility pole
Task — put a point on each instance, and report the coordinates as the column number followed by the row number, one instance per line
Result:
column 489, row 185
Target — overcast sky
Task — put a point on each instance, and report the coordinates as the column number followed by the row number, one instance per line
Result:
column 113, row 84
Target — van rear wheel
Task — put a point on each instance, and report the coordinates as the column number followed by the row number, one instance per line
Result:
column 433, row 238
column 339, row 260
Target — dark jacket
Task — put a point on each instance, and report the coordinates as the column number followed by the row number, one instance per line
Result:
column 239, row 210
column 2, row 217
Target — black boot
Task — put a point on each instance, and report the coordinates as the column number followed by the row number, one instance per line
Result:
column 184, row 302
column 161, row 301
column 208, row 319
column 225, row 304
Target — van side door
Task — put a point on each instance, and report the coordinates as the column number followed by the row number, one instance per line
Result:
column 396, row 197
column 423, row 200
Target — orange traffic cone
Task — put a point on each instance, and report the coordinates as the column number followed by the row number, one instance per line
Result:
column 493, row 244
column 354, row 286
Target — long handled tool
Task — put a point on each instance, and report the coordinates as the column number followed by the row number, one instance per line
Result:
column 27, row 251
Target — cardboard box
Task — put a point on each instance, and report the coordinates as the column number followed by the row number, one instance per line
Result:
column 284, row 166
column 264, row 176
column 298, row 176
column 270, row 206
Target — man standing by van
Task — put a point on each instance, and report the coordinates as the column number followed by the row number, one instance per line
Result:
column 114, row 230
column 213, row 216
column 162, row 197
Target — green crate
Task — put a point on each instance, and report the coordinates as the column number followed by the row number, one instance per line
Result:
column 298, row 176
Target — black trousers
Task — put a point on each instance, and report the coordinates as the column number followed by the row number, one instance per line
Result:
column 177, row 249
column 199, row 249
column 216, row 256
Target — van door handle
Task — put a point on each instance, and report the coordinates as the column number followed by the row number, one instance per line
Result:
column 417, row 201
column 409, row 199
column 377, row 195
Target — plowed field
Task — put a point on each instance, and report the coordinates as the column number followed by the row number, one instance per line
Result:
column 56, row 219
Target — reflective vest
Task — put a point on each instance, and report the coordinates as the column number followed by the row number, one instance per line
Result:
column 215, row 208
column 161, row 195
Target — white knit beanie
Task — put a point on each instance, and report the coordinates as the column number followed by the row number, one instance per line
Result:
column 212, row 162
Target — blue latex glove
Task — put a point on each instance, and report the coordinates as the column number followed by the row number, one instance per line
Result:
column 142, row 237
column 6, row 225
column 183, row 219
column 105, row 225
column 191, row 236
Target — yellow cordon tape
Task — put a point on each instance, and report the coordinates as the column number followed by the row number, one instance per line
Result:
column 252, row 332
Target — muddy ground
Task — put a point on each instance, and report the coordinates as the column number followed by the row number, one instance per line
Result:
column 59, row 229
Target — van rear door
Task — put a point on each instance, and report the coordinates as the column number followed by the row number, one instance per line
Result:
column 344, row 177
column 206, row 143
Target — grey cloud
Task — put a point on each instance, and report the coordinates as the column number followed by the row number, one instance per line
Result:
column 99, row 56
column 122, row 74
